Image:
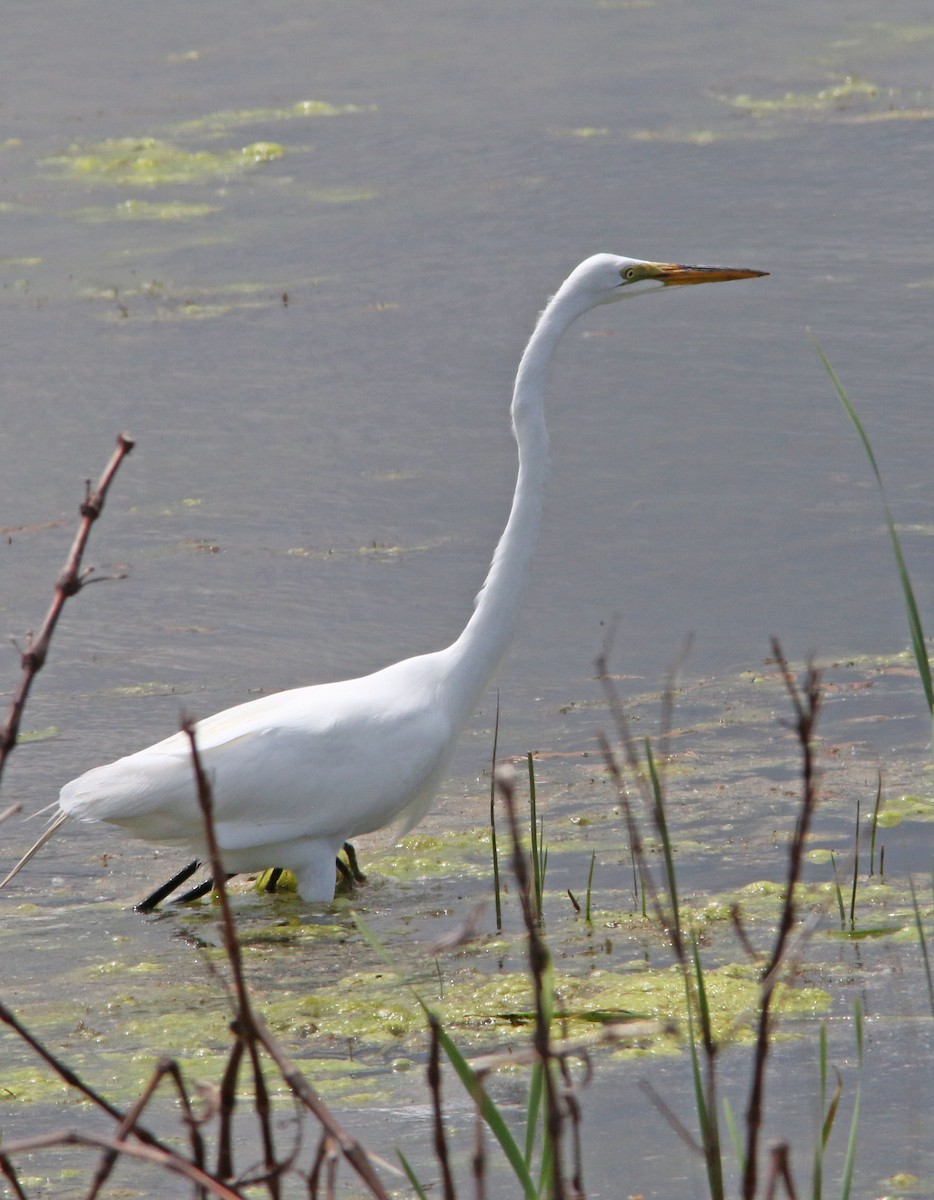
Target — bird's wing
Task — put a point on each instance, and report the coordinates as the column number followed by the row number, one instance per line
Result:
column 338, row 758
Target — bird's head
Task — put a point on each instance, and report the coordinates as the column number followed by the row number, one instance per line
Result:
column 608, row 277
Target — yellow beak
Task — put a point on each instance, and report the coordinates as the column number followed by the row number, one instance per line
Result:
column 677, row 275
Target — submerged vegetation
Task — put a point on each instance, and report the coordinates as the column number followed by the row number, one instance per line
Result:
column 826, row 87
column 188, row 177
column 603, row 954
column 151, row 162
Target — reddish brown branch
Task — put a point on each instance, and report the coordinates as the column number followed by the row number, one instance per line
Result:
column 9, row 1174
column 539, row 964
column 69, row 583
column 244, row 1024
column 351, row 1149
column 157, row 1155
column 806, row 701
column 434, row 1087
column 248, row 1026
column 73, row 1080
column 165, row 1067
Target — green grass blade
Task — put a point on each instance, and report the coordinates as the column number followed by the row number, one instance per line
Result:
column 851, row 413
column 662, row 826
column 546, row 1173
column 546, row 1169
column 838, row 891
column 703, row 1006
column 373, row 941
column 829, row 1113
column 490, row 1113
column 831, row 1116
column 858, row 1025
column 817, row 1169
column 533, row 1109
column 497, row 898
column 587, row 910
column 706, row 1113
column 412, row 1177
column 850, row 1159
column 855, row 869
column 700, row 1102
column 533, row 814
column 488, row 1110
column 733, row 1130
column 874, row 826
column 539, row 852
column 922, row 942
column 918, row 644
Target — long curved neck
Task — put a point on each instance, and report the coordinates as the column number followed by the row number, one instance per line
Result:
column 485, row 640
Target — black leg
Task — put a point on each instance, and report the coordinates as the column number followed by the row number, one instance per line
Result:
column 350, row 872
column 354, row 867
column 156, row 897
column 202, row 889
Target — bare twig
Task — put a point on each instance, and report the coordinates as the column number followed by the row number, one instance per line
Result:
column 159, row 1156
column 131, row 1138
column 351, row 1149
column 478, row 1156
column 325, row 1161
column 244, row 1025
column 636, row 845
column 464, row 933
column 573, row 1110
column 69, row 583
column 650, row 784
column 806, row 702
column 227, row 1105
column 165, row 1067
column 9, row 1173
column 677, row 1126
column 539, row 964
column 780, row 1169
column 72, row 1079
column 736, row 920
column 668, row 919
column 250, row 1028
column 434, row 1087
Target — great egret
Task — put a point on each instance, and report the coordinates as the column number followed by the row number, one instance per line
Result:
column 298, row 773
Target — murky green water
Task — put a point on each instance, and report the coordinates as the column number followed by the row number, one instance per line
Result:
column 295, row 250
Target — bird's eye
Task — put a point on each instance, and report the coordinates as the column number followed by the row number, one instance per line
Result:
column 629, row 274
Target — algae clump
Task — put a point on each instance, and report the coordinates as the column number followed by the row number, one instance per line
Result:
column 151, row 162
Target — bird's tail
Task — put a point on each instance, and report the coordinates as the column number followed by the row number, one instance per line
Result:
column 35, row 847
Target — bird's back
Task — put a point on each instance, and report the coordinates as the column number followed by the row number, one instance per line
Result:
column 336, row 759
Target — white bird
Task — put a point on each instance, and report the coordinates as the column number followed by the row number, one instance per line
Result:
column 298, row 773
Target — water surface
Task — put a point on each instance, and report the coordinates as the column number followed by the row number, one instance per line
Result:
column 316, row 353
